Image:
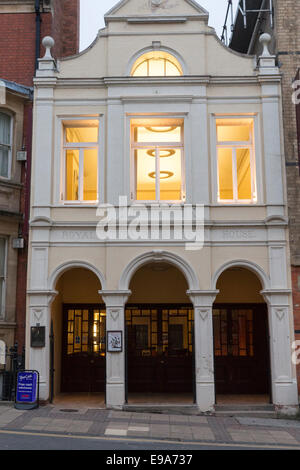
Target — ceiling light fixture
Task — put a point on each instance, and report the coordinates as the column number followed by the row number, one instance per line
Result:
column 163, row 175
column 161, row 129
column 169, row 153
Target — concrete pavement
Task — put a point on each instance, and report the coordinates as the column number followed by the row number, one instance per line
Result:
column 130, row 425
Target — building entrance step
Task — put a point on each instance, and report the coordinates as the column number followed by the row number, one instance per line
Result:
column 163, row 409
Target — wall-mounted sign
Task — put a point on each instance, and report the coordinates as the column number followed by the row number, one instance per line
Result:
column 38, row 336
column 114, row 341
column 27, row 390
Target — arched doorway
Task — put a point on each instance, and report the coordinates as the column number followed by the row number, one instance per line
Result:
column 159, row 336
column 241, row 337
column 78, row 317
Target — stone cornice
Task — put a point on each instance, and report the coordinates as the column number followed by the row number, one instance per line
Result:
column 104, row 82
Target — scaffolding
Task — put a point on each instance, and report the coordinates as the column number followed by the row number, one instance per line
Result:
column 266, row 7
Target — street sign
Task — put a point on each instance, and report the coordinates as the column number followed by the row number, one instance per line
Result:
column 27, row 390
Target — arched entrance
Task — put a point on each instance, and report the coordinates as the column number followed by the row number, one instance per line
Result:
column 241, row 336
column 159, row 336
column 78, row 316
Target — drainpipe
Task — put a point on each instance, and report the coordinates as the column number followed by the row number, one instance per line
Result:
column 38, row 21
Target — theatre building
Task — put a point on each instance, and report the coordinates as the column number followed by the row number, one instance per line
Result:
column 159, row 246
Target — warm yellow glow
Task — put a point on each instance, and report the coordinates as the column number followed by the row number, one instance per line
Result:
column 225, row 174
column 90, row 175
column 85, row 134
column 243, row 173
column 160, row 152
column 235, row 143
column 72, row 175
column 163, row 153
column 160, row 134
column 146, row 188
column 163, row 175
column 156, row 64
column 234, row 130
column 170, row 176
column 81, row 161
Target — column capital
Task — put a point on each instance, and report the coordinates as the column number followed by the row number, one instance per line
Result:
column 277, row 297
column 41, row 297
column 115, row 298
column 202, row 298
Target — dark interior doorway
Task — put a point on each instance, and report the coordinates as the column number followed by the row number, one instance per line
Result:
column 160, row 352
column 241, row 349
column 84, row 348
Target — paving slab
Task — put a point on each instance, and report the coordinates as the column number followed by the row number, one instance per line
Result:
column 276, row 423
column 114, row 423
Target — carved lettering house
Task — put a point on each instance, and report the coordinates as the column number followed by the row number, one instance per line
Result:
column 159, row 217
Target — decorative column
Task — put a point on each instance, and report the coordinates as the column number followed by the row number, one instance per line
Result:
column 270, row 80
column 284, row 384
column 45, row 82
column 203, row 348
column 115, row 302
column 38, row 357
column 38, row 293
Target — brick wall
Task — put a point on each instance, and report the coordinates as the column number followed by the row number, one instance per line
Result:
column 17, row 38
column 17, row 64
column 287, row 22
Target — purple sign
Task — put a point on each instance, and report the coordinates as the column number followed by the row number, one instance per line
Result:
column 27, row 387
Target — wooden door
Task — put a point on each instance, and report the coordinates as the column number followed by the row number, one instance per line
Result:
column 84, row 349
column 159, row 348
column 241, row 351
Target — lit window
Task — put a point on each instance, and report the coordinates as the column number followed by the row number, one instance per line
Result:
column 81, row 161
column 236, row 161
column 157, row 147
column 5, row 144
column 156, row 64
column 2, row 275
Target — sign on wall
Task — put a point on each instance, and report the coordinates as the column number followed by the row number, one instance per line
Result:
column 114, row 341
column 27, row 390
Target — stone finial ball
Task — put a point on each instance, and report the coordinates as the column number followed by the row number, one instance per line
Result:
column 265, row 38
column 48, row 42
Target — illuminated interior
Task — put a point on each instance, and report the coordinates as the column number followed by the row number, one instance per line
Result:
column 157, row 147
column 86, row 335
column 156, row 64
column 235, row 166
column 82, row 162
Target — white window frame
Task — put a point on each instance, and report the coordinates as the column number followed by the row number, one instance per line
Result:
column 3, row 279
column 234, row 145
column 81, row 146
column 10, row 147
column 157, row 146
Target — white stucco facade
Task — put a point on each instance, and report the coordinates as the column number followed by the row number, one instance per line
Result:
column 216, row 82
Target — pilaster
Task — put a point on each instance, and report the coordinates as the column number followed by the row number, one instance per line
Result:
column 115, row 302
column 203, row 348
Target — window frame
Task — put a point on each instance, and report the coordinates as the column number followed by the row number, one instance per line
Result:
column 80, row 146
column 234, row 145
column 10, row 152
column 157, row 146
column 3, row 278
column 147, row 60
column 131, row 66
